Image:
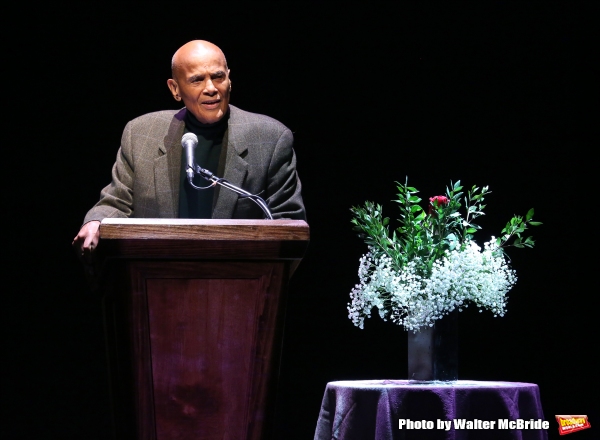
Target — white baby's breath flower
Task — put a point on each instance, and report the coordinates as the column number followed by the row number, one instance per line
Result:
column 408, row 299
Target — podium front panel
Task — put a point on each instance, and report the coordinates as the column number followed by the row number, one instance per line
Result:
column 204, row 339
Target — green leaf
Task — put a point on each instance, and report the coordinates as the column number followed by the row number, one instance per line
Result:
column 529, row 215
column 535, row 223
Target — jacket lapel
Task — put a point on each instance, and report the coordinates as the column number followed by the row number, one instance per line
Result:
column 167, row 168
column 236, row 169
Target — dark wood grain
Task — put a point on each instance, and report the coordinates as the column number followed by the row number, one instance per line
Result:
column 194, row 342
column 205, row 239
column 197, row 229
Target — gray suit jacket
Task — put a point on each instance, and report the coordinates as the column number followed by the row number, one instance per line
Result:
column 145, row 176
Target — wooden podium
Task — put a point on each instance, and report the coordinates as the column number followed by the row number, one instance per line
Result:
column 194, row 313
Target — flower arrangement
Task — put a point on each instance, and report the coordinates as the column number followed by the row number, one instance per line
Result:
column 430, row 265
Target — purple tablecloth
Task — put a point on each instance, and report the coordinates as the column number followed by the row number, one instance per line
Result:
column 374, row 409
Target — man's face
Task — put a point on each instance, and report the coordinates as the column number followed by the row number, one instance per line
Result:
column 201, row 80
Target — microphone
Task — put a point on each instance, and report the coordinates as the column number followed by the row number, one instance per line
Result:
column 189, row 141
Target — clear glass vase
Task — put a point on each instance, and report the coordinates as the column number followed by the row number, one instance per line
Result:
column 433, row 351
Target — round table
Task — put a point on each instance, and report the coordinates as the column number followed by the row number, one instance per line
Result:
column 457, row 410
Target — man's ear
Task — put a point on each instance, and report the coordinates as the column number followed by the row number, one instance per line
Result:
column 174, row 88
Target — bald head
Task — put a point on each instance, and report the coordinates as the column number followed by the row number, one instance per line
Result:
column 201, row 80
column 192, row 49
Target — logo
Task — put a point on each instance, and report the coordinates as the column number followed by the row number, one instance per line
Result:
column 569, row 424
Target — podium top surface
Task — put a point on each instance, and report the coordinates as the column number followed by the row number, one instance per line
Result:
column 201, row 229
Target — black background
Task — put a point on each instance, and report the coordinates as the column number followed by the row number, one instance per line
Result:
column 491, row 93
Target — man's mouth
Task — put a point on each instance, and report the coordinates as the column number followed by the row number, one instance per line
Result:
column 212, row 103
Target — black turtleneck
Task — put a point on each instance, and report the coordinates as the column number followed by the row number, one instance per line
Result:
column 199, row 203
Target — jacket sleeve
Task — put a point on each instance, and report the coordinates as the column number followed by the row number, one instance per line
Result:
column 116, row 199
column 284, row 187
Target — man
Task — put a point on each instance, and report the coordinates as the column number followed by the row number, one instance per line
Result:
column 251, row 151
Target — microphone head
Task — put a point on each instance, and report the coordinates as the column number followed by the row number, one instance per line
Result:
column 189, row 138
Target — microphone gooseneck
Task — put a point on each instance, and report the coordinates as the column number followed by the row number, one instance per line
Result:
column 189, row 141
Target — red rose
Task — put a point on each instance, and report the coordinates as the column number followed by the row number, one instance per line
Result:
column 437, row 201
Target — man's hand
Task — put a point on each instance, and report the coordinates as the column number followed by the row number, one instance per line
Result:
column 86, row 240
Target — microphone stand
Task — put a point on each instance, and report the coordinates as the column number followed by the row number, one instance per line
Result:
column 207, row 175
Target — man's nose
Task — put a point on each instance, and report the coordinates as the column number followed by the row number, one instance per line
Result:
column 210, row 87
